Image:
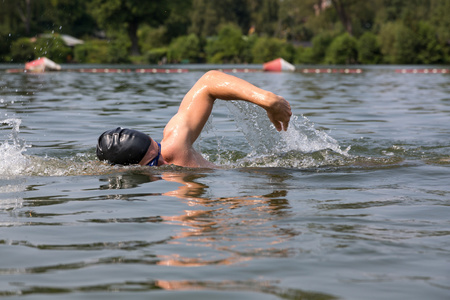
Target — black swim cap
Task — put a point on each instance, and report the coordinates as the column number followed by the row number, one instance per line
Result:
column 122, row 146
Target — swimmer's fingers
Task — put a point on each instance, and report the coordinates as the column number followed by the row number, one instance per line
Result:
column 281, row 125
column 285, row 125
column 275, row 123
column 280, row 114
column 280, row 120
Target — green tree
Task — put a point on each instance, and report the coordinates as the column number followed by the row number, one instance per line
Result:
column 292, row 18
column 405, row 46
column 343, row 50
column 269, row 48
column 151, row 37
column 24, row 17
column 408, row 31
column 264, row 16
column 369, row 49
column 95, row 51
column 22, row 50
column 429, row 51
column 227, row 47
column 387, row 37
column 320, row 44
column 71, row 17
column 208, row 16
column 341, row 7
column 184, row 48
column 178, row 22
column 416, row 44
column 130, row 13
column 439, row 19
column 304, row 55
column 5, row 46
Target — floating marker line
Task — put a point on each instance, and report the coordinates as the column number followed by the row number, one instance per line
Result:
column 241, row 70
column 422, row 71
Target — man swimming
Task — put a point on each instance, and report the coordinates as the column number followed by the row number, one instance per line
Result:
column 126, row 146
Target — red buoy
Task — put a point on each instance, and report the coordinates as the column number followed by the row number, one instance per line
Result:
column 278, row 65
column 41, row 65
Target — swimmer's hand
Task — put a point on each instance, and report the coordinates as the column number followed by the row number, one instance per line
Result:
column 278, row 111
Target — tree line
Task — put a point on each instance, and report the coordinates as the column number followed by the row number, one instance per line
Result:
column 227, row 31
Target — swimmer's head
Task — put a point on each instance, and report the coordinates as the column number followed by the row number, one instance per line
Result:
column 122, row 146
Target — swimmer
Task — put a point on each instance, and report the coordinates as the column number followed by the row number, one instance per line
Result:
column 127, row 146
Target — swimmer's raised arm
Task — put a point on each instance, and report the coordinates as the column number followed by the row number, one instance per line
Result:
column 185, row 127
column 219, row 85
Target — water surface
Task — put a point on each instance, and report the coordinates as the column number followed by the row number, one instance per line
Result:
column 351, row 203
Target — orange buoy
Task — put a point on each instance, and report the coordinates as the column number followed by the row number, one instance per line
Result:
column 41, row 65
column 278, row 65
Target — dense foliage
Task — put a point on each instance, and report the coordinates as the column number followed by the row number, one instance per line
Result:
column 227, row 31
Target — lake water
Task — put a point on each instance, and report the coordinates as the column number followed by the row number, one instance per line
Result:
column 353, row 202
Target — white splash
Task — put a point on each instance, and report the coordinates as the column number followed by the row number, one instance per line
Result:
column 298, row 145
column 12, row 160
column 302, row 136
column 264, row 138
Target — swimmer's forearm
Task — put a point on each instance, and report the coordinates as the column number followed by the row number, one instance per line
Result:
column 226, row 87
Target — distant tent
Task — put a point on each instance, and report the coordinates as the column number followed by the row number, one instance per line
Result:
column 41, row 65
column 278, row 65
column 67, row 39
column 70, row 40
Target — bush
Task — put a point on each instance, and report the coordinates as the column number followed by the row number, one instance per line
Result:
column 343, row 50
column 22, row 50
column 152, row 38
column 405, row 46
column 398, row 43
column 429, row 50
column 102, row 52
column 320, row 43
column 387, row 38
column 369, row 49
column 228, row 47
column 118, row 50
column 155, row 56
column 304, row 55
column 266, row 49
column 94, row 51
column 184, row 48
column 250, row 42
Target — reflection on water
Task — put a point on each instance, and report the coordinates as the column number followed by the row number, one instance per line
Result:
column 261, row 287
column 208, row 220
column 231, row 288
